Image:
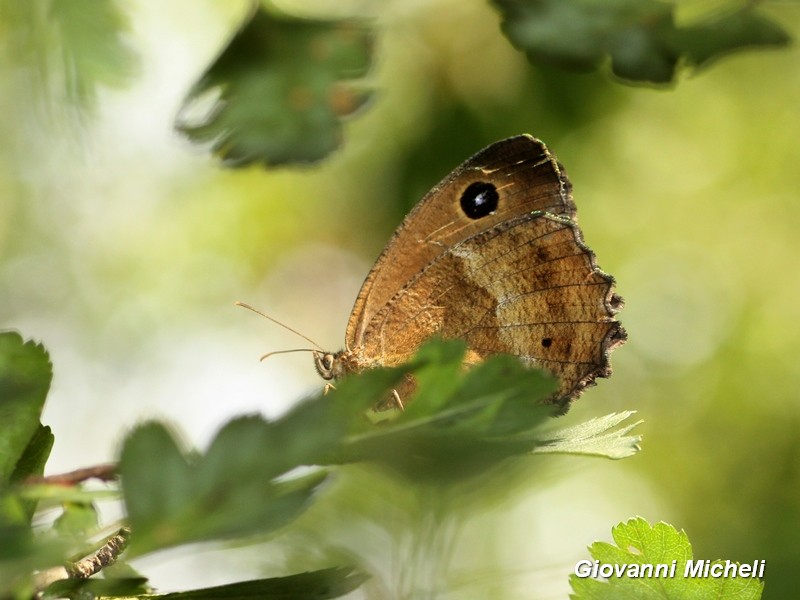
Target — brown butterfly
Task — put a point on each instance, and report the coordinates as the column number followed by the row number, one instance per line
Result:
column 491, row 255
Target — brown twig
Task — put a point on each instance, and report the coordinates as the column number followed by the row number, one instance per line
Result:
column 107, row 472
column 105, row 556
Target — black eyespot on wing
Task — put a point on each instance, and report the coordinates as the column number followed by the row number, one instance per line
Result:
column 479, row 199
column 547, row 342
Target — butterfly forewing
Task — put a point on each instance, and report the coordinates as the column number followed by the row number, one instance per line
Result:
column 526, row 176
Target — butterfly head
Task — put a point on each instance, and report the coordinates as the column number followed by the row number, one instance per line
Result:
column 334, row 365
column 327, row 364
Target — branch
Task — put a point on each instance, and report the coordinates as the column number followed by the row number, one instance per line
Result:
column 105, row 556
column 107, row 472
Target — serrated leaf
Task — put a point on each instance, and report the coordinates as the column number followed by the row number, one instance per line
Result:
column 596, row 437
column 25, row 375
column 640, row 38
column 175, row 497
column 639, row 544
column 279, row 90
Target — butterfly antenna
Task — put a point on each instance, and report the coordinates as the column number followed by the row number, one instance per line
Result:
column 305, row 337
column 268, row 354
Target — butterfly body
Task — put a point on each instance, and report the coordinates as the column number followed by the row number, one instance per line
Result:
column 491, row 255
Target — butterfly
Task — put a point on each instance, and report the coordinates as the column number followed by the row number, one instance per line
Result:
column 492, row 255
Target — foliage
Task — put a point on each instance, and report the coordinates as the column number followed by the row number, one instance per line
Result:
column 641, row 38
column 317, row 585
column 72, row 48
column 639, row 543
column 25, row 375
column 278, row 89
column 248, row 483
column 455, row 428
column 277, row 94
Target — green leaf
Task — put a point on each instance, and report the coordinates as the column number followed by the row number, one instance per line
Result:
column 279, row 90
column 72, row 48
column 94, row 52
column 32, row 462
column 314, row 585
column 25, row 375
column 92, row 588
column 156, row 478
column 121, row 570
column 595, row 437
column 437, row 371
column 639, row 544
column 640, row 38
column 35, row 455
column 175, row 499
column 239, row 487
column 22, row 553
column 77, row 518
column 61, row 494
column 459, row 423
column 727, row 32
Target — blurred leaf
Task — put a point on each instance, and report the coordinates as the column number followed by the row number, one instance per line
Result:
column 71, row 48
column 277, row 93
column 735, row 30
column 92, row 588
column 93, row 48
column 77, row 518
column 594, row 438
column 156, row 480
column 121, row 570
column 438, row 376
column 32, row 462
column 175, row 499
column 62, row 493
column 639, row 543
column 238, row 487
column 314, row 585
column 640, row 37
column 25, row 375
column 22, row 553
column 35, row 455
column 458, row 423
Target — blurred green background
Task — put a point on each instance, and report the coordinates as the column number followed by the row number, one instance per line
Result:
column 124, row 247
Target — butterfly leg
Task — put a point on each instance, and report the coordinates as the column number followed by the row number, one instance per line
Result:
column 397, row 401
column 328, row 387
